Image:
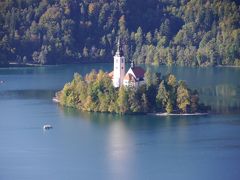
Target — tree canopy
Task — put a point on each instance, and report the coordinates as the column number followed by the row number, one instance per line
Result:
column 95, row 92
column 187, row 33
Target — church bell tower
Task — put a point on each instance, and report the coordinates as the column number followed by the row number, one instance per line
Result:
column 118, row 67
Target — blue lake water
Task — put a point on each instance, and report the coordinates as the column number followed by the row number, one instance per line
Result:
column 107, row 146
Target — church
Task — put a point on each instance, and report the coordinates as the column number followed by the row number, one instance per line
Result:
column 134, row 76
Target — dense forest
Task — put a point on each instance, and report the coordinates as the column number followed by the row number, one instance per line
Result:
column 95, row 92
column 181, row 32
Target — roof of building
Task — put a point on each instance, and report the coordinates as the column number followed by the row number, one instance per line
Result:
column 110, row 75
column 129, row 77
column 138, row 71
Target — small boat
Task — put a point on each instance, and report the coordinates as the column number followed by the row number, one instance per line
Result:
column 1, row 81
column 47, row 126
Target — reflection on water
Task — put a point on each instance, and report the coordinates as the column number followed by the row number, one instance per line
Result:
column 120, row 150
column 221, row 90
column 223, row 98
column 132, row 122
column 27, row 94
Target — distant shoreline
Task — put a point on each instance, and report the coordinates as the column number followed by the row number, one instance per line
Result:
column 15, row 64
column 180, row 114
column 230, row 66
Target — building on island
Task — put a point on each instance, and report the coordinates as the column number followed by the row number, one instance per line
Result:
column 134, row 76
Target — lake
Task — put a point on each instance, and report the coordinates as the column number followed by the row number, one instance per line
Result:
column 108, row 146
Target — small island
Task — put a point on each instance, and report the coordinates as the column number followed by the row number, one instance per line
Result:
column 136, row 91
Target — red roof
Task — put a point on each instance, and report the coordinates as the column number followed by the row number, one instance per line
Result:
column 138, row 72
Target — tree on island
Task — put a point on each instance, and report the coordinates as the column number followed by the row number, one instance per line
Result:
column 95, row 92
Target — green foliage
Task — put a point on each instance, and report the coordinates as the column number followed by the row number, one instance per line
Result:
column 171, row 80
column 169, row 107
column 186, row 33
column 183, row 97
column 162, row 96
column 95, row 92
column 134, row 101
column 148, row 78
column 145, row 103
column 122, row 100
column 237, row 62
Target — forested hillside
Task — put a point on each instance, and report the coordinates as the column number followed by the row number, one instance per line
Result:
column 182, row 32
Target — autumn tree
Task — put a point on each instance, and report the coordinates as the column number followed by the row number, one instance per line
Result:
column 183, row 97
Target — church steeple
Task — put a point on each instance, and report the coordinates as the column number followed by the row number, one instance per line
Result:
column 132, row 64
column 119, row 66
column 119, row 51
column 118, row 45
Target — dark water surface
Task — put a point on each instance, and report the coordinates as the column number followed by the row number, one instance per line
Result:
column 106, row 146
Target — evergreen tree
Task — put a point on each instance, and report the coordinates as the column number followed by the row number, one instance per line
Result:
column 162, row 96
column 145, row 103
column 169, row 107
column 133, row 101
column 148, row 78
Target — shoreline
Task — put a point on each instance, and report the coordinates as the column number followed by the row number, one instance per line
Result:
column 176, row 114
column 229, row 66
column 56, row 100
column 16, row 65
column 19, row 65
